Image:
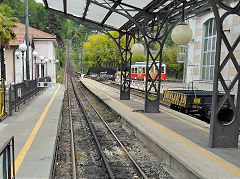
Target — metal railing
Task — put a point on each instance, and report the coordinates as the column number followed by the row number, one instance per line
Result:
column 7, row 155
column 2, row 98
column 21, row 92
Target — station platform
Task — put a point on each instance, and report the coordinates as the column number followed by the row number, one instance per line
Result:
column 34, row 128
column 180, row 141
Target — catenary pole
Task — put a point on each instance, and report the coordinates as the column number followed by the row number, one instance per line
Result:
column 27, row 39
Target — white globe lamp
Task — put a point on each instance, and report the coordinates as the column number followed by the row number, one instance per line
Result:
column 41, row 57
column 17, row 53
column 181, row 34
column 22, row 47
column 35, row 53
column 137, row 49
column 46, row 60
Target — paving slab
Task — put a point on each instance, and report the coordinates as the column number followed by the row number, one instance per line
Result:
column 35, row 128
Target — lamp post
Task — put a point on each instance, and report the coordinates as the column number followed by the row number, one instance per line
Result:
column 57, row 61
column 17, row 54
column 22, row 48
column 41, row 58
column 35, row 54
column 46, row 60
column 27, row 39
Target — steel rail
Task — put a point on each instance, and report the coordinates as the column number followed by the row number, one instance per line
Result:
column 74, row 174
column 119, row 142
column 104, row 158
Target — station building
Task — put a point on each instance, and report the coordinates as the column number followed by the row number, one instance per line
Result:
column 201, row 50
column 45, row 44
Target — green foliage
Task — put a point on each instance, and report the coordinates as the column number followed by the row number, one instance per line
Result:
column 137, row 59
column 101, row 51
column 170, row 59
column 7, row 24
column 39, row 18
column 60, row 73
column 36, row 11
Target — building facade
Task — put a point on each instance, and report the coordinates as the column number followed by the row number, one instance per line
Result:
column 45, row 44
column 201, row 50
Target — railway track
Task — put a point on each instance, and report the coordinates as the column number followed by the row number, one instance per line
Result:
column 95, row 150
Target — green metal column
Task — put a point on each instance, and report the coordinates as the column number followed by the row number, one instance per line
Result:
column 27, row 40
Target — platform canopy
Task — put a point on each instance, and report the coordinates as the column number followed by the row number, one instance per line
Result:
column 115, row 14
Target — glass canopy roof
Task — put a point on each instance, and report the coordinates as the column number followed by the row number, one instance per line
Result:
column 117, row 13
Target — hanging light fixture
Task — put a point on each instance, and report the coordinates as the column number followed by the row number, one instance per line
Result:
column 182, row 33
column 137, row 49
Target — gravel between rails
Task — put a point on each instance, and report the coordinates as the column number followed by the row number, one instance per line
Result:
column 88, row 162
column 63, row 161
column 120, row 164
column 147, row 160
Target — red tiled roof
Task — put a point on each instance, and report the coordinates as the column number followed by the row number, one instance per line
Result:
column 33, row 34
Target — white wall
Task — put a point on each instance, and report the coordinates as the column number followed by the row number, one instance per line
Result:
column 196, row 49
column 46, row 48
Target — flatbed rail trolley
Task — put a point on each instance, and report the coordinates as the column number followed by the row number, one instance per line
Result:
column 197, row 101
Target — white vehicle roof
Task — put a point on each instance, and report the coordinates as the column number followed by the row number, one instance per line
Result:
column 143, row 64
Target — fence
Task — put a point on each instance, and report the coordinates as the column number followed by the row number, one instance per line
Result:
column 7, row 156
column 2, row 98
column 21, row 92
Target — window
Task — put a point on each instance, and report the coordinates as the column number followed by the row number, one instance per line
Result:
column 209, row 50
column 163, row 71
column 143, row 70
column 132, row 70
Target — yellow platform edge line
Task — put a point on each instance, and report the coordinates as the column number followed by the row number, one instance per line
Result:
column 194, row 147
column 33, row 134
column 179, row 118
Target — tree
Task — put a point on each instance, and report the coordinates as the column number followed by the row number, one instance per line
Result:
column 101, row 51
column 174, row 69
column 7, row 24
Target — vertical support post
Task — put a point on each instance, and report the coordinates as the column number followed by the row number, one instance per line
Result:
column 2, row 63
column 40, row 70
column 35, row 65
column 10, row 100
column 13, row 159
column 126, row 56
column 27, row 39
column 125, row 68
column 155, row 36
column 23, row 66
column 46, row 69
column 4, row 164
column 224, row 124
column 32, row 66
column 9, row 160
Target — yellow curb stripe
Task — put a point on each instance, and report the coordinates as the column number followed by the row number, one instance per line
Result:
column 194, row 147
column 180, row 119
column 176, row 117
column 33, row 134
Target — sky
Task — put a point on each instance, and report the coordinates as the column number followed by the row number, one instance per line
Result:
column 39, row 1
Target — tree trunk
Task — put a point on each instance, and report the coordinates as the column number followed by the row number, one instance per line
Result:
column 2, row 62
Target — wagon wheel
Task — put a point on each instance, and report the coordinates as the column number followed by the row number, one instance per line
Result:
column 185, row 110
column 172, row 106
